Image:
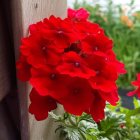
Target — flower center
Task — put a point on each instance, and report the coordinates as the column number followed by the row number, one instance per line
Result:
column 99, row 32
column 97, row 72
column 77, row 64
column 53, row 76
column 43, row 48
column 96, row 48
column 87, row 33
column 60, row 32
column 76, row 91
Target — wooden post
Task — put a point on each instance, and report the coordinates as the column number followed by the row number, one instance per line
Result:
column 24, row 13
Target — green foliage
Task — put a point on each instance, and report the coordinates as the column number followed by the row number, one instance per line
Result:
column 119, row 124
column 123, row 26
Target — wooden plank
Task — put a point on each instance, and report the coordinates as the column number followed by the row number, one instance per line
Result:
column 4, row 71
column 7, row 68
column 44, row 130
column 7, row 129
column 26, row 12
column 9, row 121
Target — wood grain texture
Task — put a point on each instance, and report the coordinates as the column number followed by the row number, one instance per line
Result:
column 26, row 12
column 7, row 69
column 44, row 130
column 6, row 127
column 4, row 71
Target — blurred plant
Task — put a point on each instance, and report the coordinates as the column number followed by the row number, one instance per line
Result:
column 122, row 24
column 137, row 16
column 119, row 124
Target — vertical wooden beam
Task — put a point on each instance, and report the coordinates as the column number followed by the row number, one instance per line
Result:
column 24, row 13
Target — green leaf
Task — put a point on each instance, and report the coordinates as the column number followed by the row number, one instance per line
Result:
column 136, row 102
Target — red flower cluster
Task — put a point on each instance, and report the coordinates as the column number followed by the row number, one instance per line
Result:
column 136, row 83
column 71, row 62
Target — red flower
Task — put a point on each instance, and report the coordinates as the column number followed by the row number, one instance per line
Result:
column 78, row 15
column 122, row 125
column 41, row 105
column 79, row 96
column 47, row 81
column 97, row 42
column 23, row 69
column 113, row 62
column 60, row 31
column 97, row 108
column 111, row 97
column 92, row 30
column 69, row 61
column 40, row 51
column 74, row 66
column 136, row 83
column 105, row 77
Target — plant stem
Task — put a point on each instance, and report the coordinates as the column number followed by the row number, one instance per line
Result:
column 71, row 121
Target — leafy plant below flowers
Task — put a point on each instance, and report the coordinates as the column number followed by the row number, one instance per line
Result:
column 120, row 124
column 123, row 26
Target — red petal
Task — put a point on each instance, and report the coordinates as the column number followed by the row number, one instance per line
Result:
column 41, row 105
